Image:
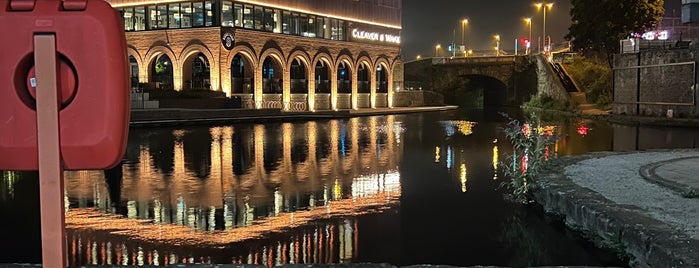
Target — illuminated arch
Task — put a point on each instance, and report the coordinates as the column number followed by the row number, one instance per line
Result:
column 158, row 50
column 243, row 51
column 379, row 87
column 195, row 49
column 142, row 68
column 277, row 58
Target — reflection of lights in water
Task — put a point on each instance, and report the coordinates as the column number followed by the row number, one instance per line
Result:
column 465, row 127
column 387, row 195
column 546, row 130
column 367, row 186
column 7, row 188
column 131, row 210
column 495, row 162
column 463, row 177
column 337, row 190
column 278, row 202
column 450, row 158
column 582, row 130
column 436, row 154
column 450, row 130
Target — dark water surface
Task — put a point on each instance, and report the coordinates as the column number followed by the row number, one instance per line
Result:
column 398, row 189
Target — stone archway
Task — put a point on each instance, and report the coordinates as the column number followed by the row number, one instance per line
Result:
column 161, row 69
column 363, row 78
column 196, row 72
column 242, row 75
column 165, row 73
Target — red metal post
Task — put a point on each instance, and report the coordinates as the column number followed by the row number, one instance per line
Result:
column 53, row 237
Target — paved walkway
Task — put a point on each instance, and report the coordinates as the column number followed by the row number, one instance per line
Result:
column 644, row 203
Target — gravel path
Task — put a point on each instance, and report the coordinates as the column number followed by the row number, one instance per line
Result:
column 617, row 178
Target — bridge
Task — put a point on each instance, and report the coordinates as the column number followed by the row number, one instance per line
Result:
column 499, row 80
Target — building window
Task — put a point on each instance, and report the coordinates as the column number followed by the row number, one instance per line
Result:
column 294, row 24
column 320, row 27
column 286, row 22
column 333, row 30
column 259, row 16
column 197, row 14
column 303, row 25
column 152, row 17
column 186, row 9
column 162, row 17
column 128, row 16
column 238, row 15
column 209, row 13
column 247, row 17
column 139, row 18
column 227, row 14
column 270, row 20
column 174, row 15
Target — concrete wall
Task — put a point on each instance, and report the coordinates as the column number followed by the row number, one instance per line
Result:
column 548, row 82
column 664, row 82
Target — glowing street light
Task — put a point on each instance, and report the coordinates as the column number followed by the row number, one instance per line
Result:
column 544, row 6
column 436, row 50
column 418, row 57
column 497, row 44
column 463, row 29
column 528, row 21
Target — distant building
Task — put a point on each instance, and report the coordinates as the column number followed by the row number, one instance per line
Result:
column 293, row 55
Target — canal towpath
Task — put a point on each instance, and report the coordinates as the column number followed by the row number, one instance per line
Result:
column 643, row 204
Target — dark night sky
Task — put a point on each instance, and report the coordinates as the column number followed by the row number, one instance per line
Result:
column 427, row 23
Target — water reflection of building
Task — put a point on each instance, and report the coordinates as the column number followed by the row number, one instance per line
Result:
column 274, row 172
column 328, row 242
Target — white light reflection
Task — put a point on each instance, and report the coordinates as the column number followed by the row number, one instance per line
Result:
column 450, row 158
column 366, row 186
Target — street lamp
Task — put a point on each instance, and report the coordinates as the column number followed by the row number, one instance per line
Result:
column 418, row 57
column 497, row 44
column 528, row 21
column 544, row 6
column 463, row 28
column 436, row 50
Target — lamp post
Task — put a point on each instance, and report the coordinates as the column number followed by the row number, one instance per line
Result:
column 436, row 50
column 528, row 21
column 544, row 6
column 463, row 33
column 497, row 44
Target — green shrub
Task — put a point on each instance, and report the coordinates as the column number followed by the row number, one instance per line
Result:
column 594, row 78
column 547, row 102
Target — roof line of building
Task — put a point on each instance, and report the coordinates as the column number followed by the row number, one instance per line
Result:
column 153, row 2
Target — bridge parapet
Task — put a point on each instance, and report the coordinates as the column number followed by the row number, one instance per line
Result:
column 475, row 60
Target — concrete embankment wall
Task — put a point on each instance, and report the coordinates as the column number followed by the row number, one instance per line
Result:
column 654, row 81
column 649, row 242
column 548, row 83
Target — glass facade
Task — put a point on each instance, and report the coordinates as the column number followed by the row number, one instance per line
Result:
column 231, row 14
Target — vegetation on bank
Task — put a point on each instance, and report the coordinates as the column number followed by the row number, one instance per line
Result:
column 594, row 77
column 530, row 146
column 546, row 102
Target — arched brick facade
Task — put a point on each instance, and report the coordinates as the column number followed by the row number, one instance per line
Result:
column 254, row 47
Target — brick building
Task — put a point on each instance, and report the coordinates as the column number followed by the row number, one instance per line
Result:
column 293, row 55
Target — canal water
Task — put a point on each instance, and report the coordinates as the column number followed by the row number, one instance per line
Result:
column 399, row 189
